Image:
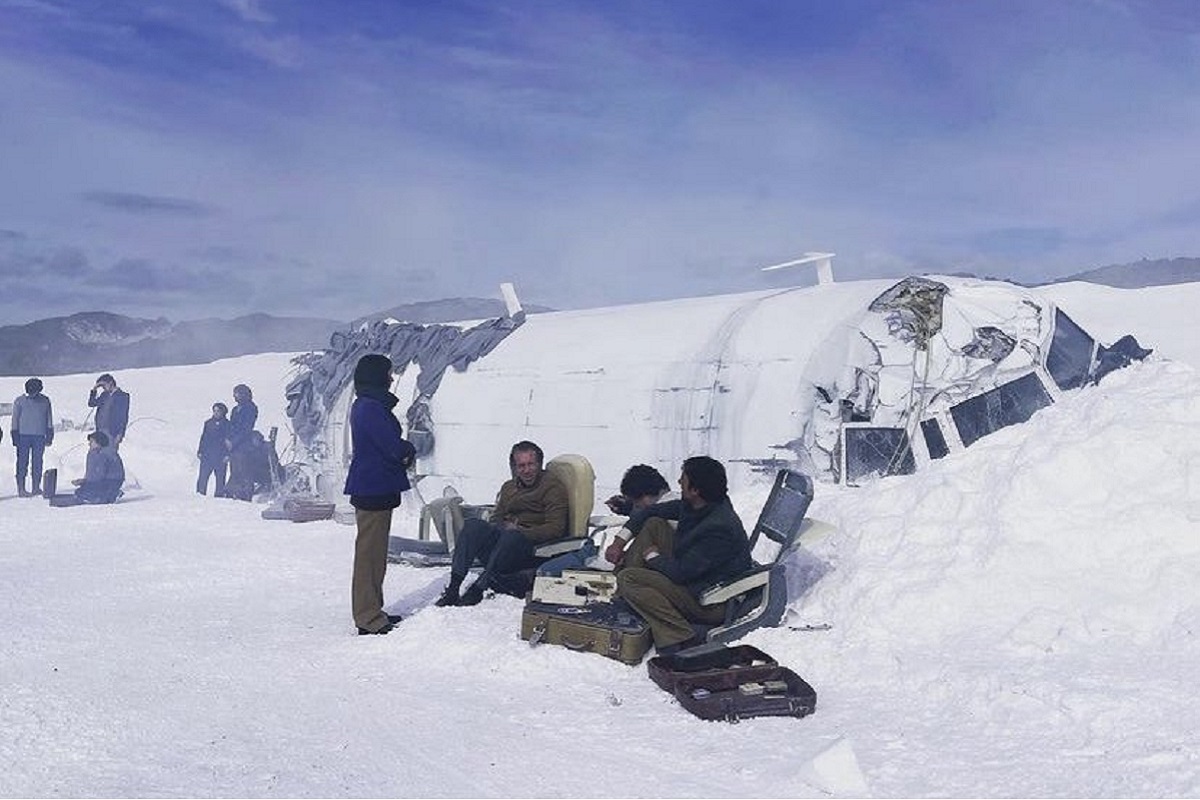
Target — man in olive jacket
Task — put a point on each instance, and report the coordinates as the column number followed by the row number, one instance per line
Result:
column 663, row 572
column 530, row 508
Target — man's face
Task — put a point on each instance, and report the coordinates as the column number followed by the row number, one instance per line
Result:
column 689, row 494
column 525, row 464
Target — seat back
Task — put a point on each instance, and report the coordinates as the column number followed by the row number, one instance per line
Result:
column 782, row 516
column 763, row 600
column 443, row 516
column 576, row 474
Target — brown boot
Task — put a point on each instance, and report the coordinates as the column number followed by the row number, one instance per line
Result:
column 21, row 490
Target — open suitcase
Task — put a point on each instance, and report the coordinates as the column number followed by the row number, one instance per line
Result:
column 732, row 683
column 604, row 628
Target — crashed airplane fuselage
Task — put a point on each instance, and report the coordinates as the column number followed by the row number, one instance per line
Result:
column 843, row 381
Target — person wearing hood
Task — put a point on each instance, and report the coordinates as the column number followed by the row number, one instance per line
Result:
column 32, row 432
column 377, row 478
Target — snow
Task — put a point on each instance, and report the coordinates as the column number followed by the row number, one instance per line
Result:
column 1019, row 619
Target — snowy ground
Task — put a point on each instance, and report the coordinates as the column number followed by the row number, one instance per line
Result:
column 1019, row 620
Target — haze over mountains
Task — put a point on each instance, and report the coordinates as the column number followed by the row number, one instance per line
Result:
column 98, row 340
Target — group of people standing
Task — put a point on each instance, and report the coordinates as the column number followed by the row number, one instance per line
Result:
column 231, row 451
column 32, row 431
column 227, row 448
column 664, row 555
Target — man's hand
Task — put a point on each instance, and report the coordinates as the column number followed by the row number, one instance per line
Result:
column 77, row 482
column 619, row 504
column 615, row 552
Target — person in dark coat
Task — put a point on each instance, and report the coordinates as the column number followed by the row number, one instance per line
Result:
column 212, row 452
column 664, row 570
column 32, row 433
column 377, row 478
column 102, row 478
column 242, row 419
column 112, row 409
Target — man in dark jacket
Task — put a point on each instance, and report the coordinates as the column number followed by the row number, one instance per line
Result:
column 112, row 409
column 377, row 478
column 102, row 478
column 664, row 570
column 530, row 508
column 212, row 452
column 32, row 433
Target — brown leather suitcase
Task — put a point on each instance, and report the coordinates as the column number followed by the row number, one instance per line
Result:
column 732, row 683
column 666, row 671
column 603, row 628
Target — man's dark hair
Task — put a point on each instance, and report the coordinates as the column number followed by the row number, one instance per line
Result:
column 99, row 437
column 641, row 480
column 707, row 476
column 33, row 386
column 525, row 446
column 106, row 378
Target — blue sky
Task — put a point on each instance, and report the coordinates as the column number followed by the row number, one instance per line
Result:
column 197, row 158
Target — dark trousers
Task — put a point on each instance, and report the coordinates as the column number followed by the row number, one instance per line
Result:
column 90, row 493
column 503, row 552
column 30, row 448
column 212, row 466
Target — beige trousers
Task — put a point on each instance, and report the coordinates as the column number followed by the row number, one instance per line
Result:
column 370, row 566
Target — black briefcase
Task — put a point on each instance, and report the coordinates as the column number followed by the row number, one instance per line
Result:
column 716, row 682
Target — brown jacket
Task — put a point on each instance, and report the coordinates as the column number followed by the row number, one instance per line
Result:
column 540, row 511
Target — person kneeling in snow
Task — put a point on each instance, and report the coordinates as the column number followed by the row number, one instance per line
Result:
column 102, row 478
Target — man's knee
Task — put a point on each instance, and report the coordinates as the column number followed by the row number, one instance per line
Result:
column 633, row 579
column 513, row 551
column 472, row 529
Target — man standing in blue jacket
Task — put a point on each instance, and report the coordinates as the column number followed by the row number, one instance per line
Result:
column 663, row 572
column 377, row 477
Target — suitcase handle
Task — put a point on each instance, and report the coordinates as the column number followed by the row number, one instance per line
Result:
column 579, row 647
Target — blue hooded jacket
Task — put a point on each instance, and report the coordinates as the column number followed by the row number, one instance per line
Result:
column 381, row 456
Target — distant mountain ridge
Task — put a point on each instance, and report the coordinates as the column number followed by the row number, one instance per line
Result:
column 100, row 341
column 1140, row 274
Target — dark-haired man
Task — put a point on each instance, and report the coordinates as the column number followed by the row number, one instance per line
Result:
column 102, row 478
column 531, row 507
column 665, row 569
column 112, row 409
column 641, row 487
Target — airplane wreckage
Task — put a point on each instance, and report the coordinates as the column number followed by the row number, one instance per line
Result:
column 842, row 381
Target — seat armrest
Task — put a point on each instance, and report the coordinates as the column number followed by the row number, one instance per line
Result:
column 727, row 590
column 606, row 520
column 470, row 510
column 556, row 547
